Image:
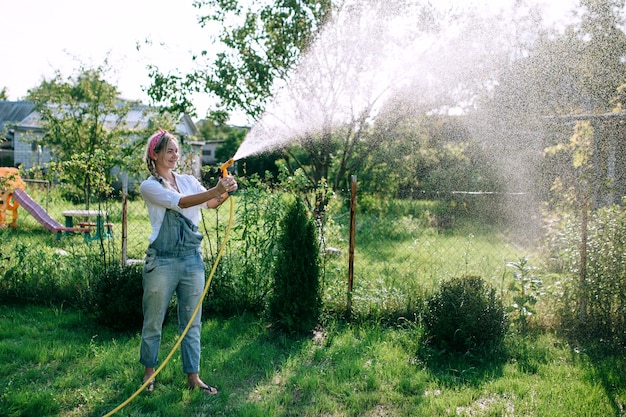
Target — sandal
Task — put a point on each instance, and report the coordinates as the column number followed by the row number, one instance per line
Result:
column 207, row 389
column 150, row 386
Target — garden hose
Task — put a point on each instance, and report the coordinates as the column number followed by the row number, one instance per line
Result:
column 193, row 316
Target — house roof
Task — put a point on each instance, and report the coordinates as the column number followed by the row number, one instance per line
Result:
column 23, row 114
column 14, row 111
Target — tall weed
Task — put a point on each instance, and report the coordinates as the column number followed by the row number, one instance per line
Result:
column 592, row 308
column 243, row 277
column 39, row 275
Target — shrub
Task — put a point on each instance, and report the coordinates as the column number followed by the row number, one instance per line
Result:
column 463, row 315
column 116, row 297
column 593, row 309
column 295, row 304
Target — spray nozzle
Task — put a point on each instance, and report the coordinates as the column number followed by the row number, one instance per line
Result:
column 225, row 166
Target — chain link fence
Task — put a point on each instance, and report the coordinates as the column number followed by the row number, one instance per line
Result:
column 398, row 250
column 382, row 258
column 407, row 248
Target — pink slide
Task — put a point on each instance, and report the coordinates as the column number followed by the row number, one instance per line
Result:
column 42, row 215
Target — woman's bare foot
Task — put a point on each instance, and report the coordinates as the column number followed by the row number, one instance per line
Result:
column 194, row 381
column 147, row 375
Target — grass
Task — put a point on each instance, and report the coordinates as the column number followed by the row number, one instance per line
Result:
column 57, row 363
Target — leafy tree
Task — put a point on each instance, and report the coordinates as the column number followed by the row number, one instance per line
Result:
column 531, row 110
column 261, row 41
column 602, row 43
column 86, row 129
column 329, row 77
column 3, row 94
column 321, row 115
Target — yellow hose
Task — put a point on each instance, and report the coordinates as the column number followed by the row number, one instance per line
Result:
column 193, row 316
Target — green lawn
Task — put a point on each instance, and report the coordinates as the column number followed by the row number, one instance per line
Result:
column 54, row 361
column 57, row 363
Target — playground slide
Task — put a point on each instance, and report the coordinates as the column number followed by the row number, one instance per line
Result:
column 42, row 215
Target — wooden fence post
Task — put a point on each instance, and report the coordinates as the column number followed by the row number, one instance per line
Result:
column 351, row 249
column 582, row 306
column 124, row 219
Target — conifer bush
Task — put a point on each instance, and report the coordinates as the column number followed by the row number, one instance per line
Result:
column 463, row 315
column 295, row 303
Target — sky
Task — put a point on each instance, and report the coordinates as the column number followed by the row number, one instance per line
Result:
column 40, row 37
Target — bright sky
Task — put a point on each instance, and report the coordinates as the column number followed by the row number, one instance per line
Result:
column 40, row 37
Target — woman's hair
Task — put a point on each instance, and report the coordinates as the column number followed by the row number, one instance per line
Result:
column 156, row 143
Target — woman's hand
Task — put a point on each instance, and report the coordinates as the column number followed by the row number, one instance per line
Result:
column 227, row 184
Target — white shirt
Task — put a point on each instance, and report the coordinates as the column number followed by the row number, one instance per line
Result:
column 158, row 198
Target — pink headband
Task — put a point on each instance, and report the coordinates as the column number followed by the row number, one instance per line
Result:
column 153, row 143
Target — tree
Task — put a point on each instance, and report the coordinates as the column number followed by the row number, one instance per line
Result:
column 321, row 115
column 86, row 129
column 3, row 94
column 531, row 110
column 261, row 40
column 329, row 69
column 603, row 51
column 357, row 89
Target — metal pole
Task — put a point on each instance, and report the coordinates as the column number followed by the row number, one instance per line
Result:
column 351, row 249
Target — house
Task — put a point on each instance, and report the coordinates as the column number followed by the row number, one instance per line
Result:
column 21, row 127
column 208, row 149
column 20, row 133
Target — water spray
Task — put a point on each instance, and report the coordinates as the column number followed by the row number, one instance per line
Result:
column 224, row 169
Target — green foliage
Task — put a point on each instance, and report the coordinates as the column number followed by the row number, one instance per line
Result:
column 261, row 42
column 568, row 168
column 265, row 165
column 464, row 315
column 432, row 157
column 592, row 309
column 525, row 288
column 34, row 274
column 295, row 304
column 115, row 298
column 79, row 172
column 243, row 277
column 86, row 129
column 560, row 74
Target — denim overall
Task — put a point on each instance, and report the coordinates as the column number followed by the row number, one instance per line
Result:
column 173, row 264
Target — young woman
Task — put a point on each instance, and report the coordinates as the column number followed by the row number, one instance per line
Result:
column 173, row 261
